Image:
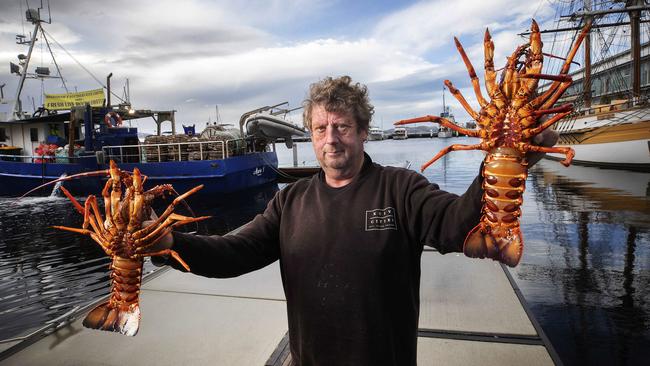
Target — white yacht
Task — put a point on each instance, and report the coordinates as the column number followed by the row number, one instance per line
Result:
column 375, row 134
column 400, row 134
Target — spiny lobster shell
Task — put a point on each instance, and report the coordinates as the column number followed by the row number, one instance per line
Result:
column 507, row 124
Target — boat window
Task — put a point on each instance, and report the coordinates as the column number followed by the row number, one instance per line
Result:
column 3, row 135
column 33, row 134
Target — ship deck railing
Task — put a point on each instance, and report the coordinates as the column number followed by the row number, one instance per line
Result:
column 43, row 159
column 175, row 151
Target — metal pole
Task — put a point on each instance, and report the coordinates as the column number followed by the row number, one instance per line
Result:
column 108, row 89
column 295, row 154
column 17, row 107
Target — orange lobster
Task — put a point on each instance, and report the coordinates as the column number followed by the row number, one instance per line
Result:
column 507, row 125
column 122, row 237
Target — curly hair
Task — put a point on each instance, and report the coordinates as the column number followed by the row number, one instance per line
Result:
column 340, row 95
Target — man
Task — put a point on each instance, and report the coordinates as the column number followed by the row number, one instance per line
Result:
column 349, row 240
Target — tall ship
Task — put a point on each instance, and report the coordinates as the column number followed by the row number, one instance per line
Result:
column 75, row 133
column 611, row 125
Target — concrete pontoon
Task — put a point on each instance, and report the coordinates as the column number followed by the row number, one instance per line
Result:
column 471, row 313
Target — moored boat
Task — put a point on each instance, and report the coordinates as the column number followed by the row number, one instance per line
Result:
column 81, row 132
column 400, row 133
column 445, row 132
column 375, row 134
column 611, row 126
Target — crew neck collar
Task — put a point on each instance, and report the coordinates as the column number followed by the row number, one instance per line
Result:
column 367, row 163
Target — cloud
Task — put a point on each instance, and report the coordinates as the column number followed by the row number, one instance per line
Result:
column 242, row 55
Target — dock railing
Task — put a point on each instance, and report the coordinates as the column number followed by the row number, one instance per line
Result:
column 175, row 151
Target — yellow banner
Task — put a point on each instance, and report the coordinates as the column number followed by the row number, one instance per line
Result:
column 66, row 101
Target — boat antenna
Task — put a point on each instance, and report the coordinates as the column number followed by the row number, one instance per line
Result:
column 216, row 106
column 58, row 69
column 82, row 66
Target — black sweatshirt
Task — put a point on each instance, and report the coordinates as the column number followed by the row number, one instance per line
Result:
column 349, row 259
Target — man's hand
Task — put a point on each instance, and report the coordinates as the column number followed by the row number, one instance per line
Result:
column 546, row 138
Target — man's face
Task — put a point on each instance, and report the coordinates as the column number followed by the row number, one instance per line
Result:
column 338, row 142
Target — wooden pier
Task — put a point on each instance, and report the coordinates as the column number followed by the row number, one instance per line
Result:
column 470, row 314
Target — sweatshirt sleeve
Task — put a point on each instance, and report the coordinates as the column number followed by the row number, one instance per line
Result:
column 255, row 246
column 441, row 219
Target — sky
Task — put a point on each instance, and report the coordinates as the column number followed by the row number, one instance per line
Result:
column 194, row 55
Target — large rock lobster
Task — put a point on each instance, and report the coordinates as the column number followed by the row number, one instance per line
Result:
column 124, row 237
column 507, row 125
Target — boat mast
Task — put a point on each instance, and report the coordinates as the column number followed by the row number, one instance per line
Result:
column 444, row 105
column 634, row 9
column 586, row 81
column 33, row 16
column 635, row 17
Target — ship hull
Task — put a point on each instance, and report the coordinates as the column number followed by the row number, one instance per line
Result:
column 621, row 146
column 218, row 176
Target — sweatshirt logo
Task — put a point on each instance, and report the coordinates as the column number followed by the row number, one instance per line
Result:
column 381, row 219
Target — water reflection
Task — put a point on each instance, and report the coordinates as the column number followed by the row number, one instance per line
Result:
column 45, row 273
column 589, row 290
column 585, row 269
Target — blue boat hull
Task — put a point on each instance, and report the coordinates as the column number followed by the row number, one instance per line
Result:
column 218, row 176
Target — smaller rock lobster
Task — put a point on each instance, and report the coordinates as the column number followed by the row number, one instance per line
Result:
column 507, row 125
column 120, row 233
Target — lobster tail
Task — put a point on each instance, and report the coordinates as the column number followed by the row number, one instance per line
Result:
column 114, row 319
column 482, row 243
column 479, row 245
column 498, row 235
column 121, row 313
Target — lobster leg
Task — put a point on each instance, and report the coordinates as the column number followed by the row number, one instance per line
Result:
column 74, row 201
column 549, row 103
column 444, row 122
column 143, row 232
column 564, row 70
column 104, row 245
column 510, row 79
column 534, row 63
column 457, row 94
column 116, row 193
column 527, row 133
column 569, row 152
column 83, row 211
column 92, row 216
column 173, row 253
column 63, row 179
column 560, row 109
column 456, row 147
column 109, row 224
column 490, row 74
column 174, row 220
column 472, row 74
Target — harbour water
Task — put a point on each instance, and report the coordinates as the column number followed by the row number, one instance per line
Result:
column 584, row 272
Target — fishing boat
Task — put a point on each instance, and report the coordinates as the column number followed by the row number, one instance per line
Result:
column 445, row 132
column 81, row 132
column 375, row 134
column 611, row 125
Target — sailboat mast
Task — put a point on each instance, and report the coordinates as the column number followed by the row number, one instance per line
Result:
column 635, row 17
column 586, row 87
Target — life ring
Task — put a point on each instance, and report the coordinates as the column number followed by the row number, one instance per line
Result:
column 113, row 116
